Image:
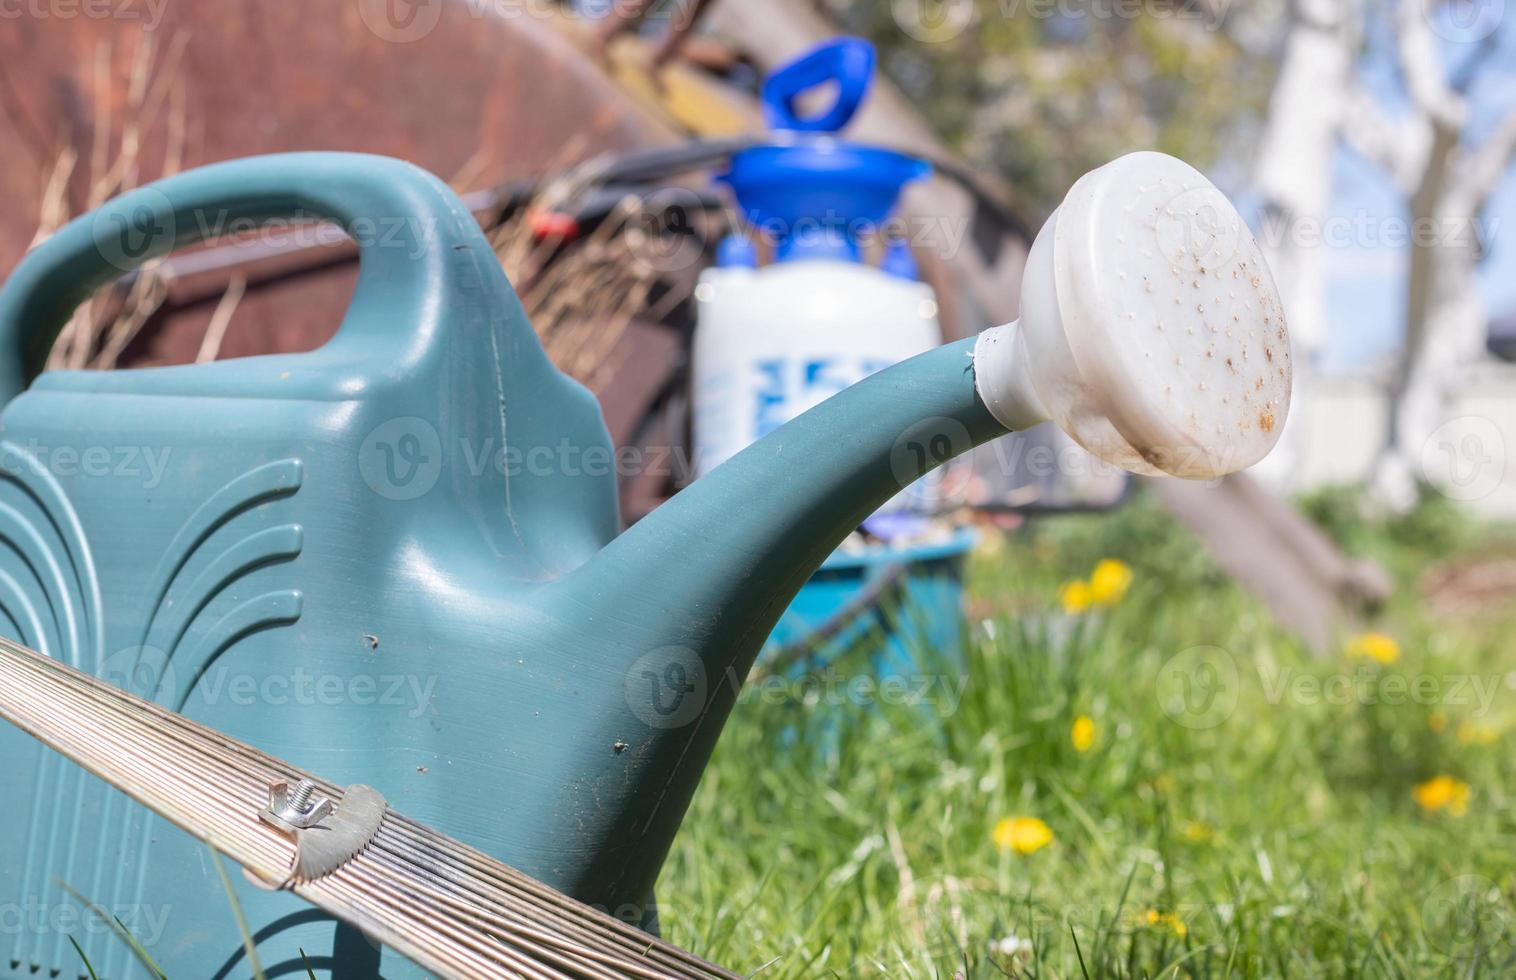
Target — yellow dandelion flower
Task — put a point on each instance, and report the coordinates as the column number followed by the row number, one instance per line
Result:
column 1022, row 835
column 1109, row 582
column 1442, row 793
column 1433, row 794
column 1075, row 596
column 1083, row 733
column 1173, row 922
column 1374, row 646
column 1197, row 832
column 1471, row 733
column 1437, row 721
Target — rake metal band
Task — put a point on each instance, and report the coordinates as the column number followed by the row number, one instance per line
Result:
column 444, row 905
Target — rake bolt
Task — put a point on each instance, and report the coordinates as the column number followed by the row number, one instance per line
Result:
column 294, row 809
column 300, row 800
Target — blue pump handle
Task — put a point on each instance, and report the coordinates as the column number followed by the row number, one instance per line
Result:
column 847, row 61
column 406, row 223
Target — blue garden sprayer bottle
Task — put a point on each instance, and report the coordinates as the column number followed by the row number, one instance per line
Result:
column 775, row 340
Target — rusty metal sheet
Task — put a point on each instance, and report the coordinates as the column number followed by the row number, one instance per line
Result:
column 459, row 86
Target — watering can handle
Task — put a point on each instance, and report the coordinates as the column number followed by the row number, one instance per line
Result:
column 848, row 62
column 404, row 220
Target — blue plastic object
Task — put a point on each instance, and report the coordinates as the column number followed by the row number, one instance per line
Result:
column 847, row 603
column 815, row 197
column 736, row 252
column 811, row 193
column 393, row 560
column 846, row 62
column 899, row 261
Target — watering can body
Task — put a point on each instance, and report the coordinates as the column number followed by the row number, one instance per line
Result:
column 332, row 555
column 394, row 560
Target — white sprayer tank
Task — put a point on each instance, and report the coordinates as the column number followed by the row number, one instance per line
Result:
column 772, row 342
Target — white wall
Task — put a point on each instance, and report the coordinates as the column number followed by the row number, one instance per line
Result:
column 1342, row 422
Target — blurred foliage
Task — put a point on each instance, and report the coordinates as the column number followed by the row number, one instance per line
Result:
column 1041, row 91
column 1436, row 527
column 1236, row 808
column 1148, row 537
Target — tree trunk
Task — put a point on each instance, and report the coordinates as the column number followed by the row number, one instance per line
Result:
column 1445, row 323
column 1447, row 184
column 1294, row 177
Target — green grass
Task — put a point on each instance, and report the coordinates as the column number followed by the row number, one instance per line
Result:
column 1271, row 831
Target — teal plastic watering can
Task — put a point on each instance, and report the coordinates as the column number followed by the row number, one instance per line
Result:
column 395, row 561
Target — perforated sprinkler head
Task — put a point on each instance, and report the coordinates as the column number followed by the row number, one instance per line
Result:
column 1151, row 330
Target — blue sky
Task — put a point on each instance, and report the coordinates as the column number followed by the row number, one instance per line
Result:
column 1366, row 290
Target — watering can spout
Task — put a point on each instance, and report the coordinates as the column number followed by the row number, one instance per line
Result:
column 681, row 603
column 737, row 545
column 1150, row 333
